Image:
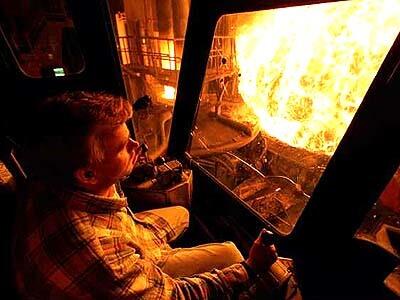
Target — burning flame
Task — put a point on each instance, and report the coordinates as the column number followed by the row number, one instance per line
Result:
column 305, row 70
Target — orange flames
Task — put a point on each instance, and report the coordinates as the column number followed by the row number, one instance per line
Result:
column 305, row 70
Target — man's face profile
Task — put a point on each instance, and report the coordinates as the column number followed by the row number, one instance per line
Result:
column 120, row 155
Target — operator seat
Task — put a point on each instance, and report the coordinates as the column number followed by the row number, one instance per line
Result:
column 12, row 183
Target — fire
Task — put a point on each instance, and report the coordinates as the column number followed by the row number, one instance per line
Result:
column 305, row 70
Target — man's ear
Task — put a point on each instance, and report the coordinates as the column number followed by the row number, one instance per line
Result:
column 85, row 177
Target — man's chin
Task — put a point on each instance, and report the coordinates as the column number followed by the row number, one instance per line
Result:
column 129, row 170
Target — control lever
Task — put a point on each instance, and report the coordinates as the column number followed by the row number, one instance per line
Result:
column 267, row 237
column 281, row 270
column 168, row 172
column 145, row 170
column 143, row 151
column 160, row 160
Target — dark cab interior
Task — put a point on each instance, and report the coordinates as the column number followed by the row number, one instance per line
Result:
column 203, row 96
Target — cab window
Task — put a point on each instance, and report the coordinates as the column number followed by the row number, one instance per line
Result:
column 42, row 36
column 280, row 91
column 150, row 37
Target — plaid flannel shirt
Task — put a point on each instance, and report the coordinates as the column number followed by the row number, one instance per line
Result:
column 74, row 245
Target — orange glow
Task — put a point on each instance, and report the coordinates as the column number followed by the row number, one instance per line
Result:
column 305, row 70
column 169, row 92
column 167, row 54
column 120, row 19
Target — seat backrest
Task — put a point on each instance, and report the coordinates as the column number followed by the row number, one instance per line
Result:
column 12, row 182
column 7, row 156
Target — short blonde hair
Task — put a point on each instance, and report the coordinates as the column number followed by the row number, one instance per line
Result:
column 66, row 134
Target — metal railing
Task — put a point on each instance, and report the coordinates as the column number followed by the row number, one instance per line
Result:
column 152, row 53
column 221, row 61
column 155, row 55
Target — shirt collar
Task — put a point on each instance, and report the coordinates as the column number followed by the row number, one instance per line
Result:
column 93, row 203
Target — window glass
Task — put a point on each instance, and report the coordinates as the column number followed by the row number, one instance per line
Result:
column 281, row 88
column 382, row 225
column 150, row 36
column 42, row 37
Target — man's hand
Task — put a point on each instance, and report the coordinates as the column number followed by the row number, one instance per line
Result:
column 262, row 255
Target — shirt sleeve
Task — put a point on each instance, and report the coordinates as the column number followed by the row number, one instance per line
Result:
column 120, row 273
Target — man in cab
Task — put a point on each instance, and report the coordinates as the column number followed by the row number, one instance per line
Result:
column 77, row 237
